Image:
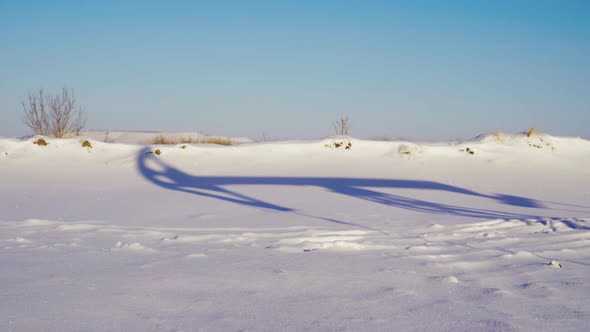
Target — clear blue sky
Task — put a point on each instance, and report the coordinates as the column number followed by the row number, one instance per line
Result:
column 414, row 69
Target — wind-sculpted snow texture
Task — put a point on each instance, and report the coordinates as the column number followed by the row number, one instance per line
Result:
column 296, row 236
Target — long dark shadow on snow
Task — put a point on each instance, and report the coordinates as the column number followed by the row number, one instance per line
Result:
column 166, row 176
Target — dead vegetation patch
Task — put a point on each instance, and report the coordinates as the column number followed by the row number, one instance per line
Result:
column 217, row 140
column 41, row 142
column 156, row 151
column 404, row 150
column 163, row 140
column 541, row 144
column 498, row 137
column 408, row 150
column 87, row 144
column 530, row 132
column 337, row 144
column 467, row 150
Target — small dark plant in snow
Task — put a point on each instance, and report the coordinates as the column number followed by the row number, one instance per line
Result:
column 156, row 151
column 338, row 144
column 540, row 144
column 467, row 150
column 41, row 142
column 404, row 150
column 407, row 150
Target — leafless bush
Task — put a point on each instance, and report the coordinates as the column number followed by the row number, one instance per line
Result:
column 57, row 116
column 342, row 126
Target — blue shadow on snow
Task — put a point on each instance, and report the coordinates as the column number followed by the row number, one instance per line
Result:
column 166, row 176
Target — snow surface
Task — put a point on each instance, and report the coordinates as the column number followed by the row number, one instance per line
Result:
column 296, row 236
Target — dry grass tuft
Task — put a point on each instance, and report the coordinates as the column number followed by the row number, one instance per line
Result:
column 41, row 142
column 161, row 139
column 498, row 137
column 157, row 152
column 530, row 133
column 189, row 140
column 217, row 140
column 86, row 144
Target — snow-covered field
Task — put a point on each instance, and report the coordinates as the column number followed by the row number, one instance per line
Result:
column 312, row 235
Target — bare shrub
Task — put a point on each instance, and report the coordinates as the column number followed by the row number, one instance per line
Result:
column 36, row 116
column 342, row 126
column 57, row 116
